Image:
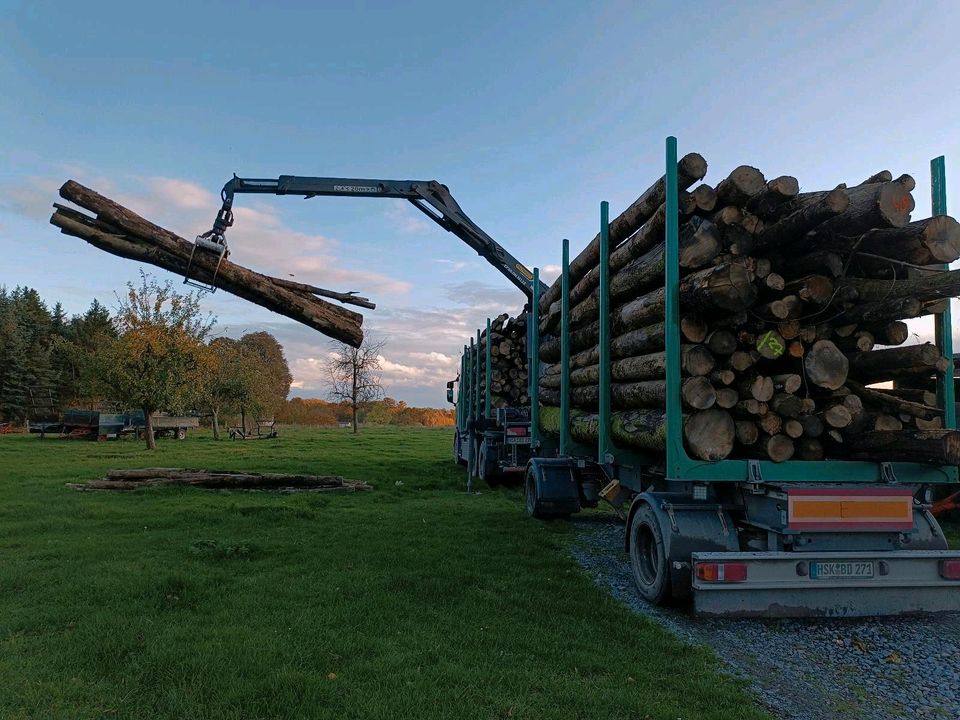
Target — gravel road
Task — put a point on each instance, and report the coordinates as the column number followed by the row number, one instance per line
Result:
column 875, row 669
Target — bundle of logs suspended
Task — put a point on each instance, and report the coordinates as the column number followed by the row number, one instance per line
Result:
column 508, row 361
column 792, row 310
column 120, row 231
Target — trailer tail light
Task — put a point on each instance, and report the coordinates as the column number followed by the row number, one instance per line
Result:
column 721, row 572
column 517, row 431
column 950, row 569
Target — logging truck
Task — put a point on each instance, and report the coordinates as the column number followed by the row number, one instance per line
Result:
column 750, row 489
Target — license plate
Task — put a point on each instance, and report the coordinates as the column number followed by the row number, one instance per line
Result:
column 833, row 570
column 516, row 440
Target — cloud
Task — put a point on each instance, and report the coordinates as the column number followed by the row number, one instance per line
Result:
column 402, row 217
column 485, row 298
column 549, row 273
column 451, row 265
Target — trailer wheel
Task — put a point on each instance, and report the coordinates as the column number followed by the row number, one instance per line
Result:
column 532, row 500
column 487, row 467
column 648, row 557
column 181, row 433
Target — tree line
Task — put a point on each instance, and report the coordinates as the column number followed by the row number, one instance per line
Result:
column 155, row 352
column 311, row 411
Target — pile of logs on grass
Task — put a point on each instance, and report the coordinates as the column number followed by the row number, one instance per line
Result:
column 508, row 355
column 119, row 231
column 792, row 307
column 220, row 479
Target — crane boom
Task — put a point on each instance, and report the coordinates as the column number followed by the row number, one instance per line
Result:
column 432, row 198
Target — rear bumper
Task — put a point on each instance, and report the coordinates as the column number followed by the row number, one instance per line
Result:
column 904, row 582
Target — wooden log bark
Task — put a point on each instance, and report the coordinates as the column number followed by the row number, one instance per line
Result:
column 877, row 205
column 638, row 264
column 922, row 286
column 792, row 228
column 935, row 447
column 826, row 366
column 146, row 477
column 924, row 242
column 690, row 169
column 739, row 186
column 695, row 360
column 122, row 232
column 709, row 434
column 778, row 191
column 890, row 363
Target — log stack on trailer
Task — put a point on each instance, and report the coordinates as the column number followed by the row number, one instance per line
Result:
column 508, row 361
column 792, row 309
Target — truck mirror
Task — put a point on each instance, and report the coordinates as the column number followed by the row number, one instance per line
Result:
column 450, row 392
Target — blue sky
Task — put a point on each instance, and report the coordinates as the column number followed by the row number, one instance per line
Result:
column 530, row 112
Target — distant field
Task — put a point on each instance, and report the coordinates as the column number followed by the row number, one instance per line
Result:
column 413, row 601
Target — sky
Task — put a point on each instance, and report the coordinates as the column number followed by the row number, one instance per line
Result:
column 531, row 113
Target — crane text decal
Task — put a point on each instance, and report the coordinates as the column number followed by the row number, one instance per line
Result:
column 356, row 188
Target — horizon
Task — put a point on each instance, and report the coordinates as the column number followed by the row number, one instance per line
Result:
column 521, row 117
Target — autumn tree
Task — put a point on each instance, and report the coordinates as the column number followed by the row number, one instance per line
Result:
column 230, row 376
column 271, row 382
column 353, row 375
column 156, row 360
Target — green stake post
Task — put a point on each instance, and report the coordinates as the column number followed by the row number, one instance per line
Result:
column 604, row 449
column 486, row 385
column 534, row 362
column 944, row 322
column 565, row 350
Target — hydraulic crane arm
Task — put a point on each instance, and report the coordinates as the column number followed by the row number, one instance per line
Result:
column 430, row 197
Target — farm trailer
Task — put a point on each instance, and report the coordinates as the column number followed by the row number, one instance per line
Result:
column 740, row 537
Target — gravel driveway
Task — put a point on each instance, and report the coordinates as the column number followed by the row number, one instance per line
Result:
column 878, row 669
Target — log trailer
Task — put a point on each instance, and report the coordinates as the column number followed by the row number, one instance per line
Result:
column 490, row 445
column 740, row 537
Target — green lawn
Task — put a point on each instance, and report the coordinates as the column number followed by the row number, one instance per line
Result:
column 413, row 601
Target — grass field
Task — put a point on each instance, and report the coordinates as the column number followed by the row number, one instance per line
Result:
column 413, row 601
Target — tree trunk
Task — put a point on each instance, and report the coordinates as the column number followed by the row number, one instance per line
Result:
column 353, row 401
column 922, row 286
column 792, row 228
column 148, row 430
column 709, row 434
column 122, row 232
column 690, row 169
column 936, row 447
column 826, row 366
column 216, row 424
column 890, row 363
column 739, row 186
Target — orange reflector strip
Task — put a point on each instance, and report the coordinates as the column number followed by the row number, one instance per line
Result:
column 876, row 509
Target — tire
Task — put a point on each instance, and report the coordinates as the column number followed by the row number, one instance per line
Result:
column 181, row 433
column 648, row 557
column 458, row 449
column 487, row 469
column 532, row 500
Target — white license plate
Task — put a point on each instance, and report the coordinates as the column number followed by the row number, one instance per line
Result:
column 845, row 569
column 517, row 440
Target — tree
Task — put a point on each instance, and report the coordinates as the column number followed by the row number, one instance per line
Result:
column 155, row 362
column 271, row 382
column 353, row 375
column 230, row 377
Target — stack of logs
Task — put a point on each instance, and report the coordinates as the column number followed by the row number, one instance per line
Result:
column 508, row 356
column 792, row 307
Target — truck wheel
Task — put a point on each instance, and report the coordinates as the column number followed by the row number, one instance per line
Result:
column 181, row 433
column 487, row 468
column 533, row 501
column 648, row 557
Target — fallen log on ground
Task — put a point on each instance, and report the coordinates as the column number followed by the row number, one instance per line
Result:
column 119, row 231
column 220, row 479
